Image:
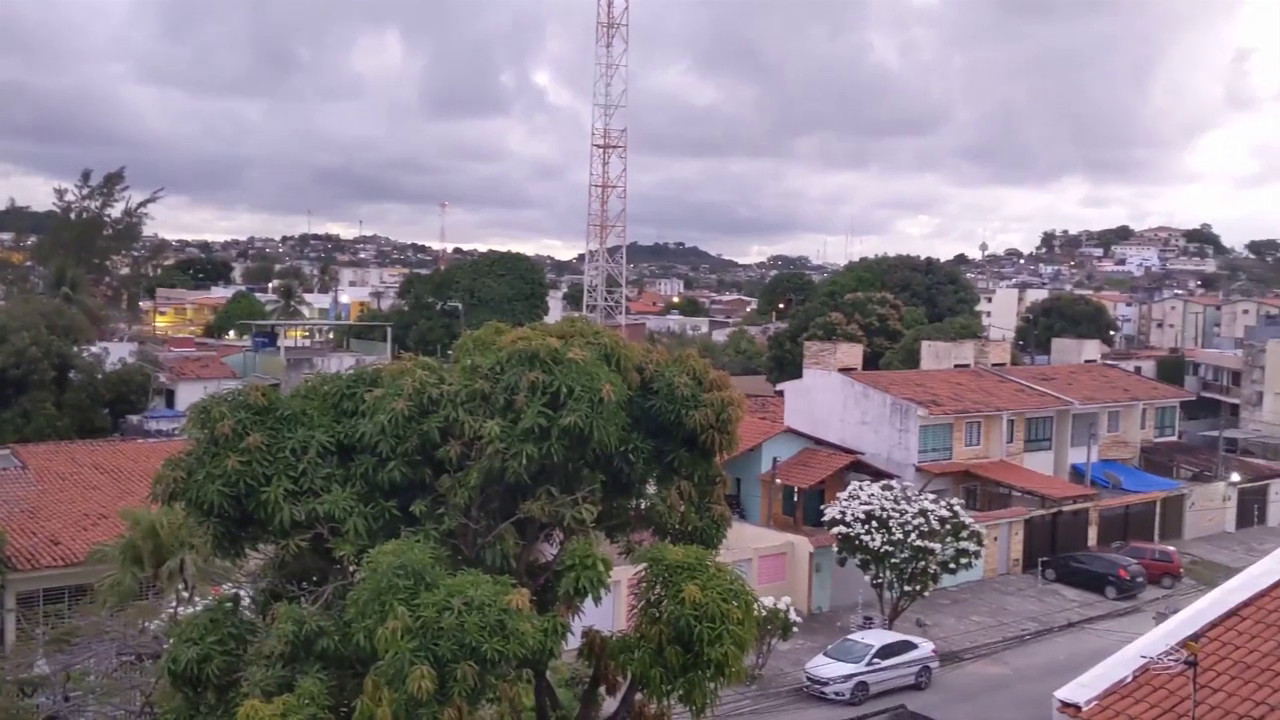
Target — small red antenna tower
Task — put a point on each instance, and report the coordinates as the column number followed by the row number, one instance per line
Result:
column 604, row 271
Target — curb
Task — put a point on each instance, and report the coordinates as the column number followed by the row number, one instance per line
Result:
column 738, row 699
column 951, row 657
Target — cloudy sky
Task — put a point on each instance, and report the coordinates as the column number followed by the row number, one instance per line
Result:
column 756, row 126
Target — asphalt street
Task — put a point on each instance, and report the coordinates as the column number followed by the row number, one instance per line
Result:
column 1015, row 684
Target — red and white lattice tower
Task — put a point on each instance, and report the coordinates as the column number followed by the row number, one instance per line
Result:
column 604, row 272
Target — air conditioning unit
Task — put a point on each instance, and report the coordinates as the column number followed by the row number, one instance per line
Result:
column 1255, row 399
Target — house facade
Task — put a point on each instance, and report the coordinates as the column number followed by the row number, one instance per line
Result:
column 58, row 500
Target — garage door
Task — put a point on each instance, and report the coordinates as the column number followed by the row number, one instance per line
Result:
column 1136, row 521
column 1251, row 506
column 598, row 615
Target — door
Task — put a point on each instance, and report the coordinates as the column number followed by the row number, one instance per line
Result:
column 1172, row 514
column 1251, row 506
column 885, row 675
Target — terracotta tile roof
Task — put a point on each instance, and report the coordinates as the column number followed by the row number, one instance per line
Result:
column 1238, row 677
column 1096, row 384
column 765, row 408
column 1012, row 475
column 203, row 366
column 66, row 497
column 811, row 466
column 753, row 431
column 963, row 391
column 1204, row 300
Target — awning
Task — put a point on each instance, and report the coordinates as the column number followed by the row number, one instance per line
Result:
column 1118, row 476
column 1015, row 477
column 811, row 466
column 1232, row 434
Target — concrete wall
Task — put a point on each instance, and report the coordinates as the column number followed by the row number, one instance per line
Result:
column 835, row 408
column 1074, row 351
column 1211, row 509
column 188, row 392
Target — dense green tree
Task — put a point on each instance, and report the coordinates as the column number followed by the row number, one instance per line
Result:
column 293, row 274
column 573, row 297
column 1064, row 315
column 1205, row 237
column 97, row 222
column 261, row 272
column 788, row 263
column 204, row 270
column 422, row 533
column 686, row 307
column 1267, row 249
column 784, row 293
column 906, row 354
column 50, row 388
column 505, row 287
column 741, row 354
column 939, row 289
column 23, row 221
column 873, row 319
column 242, row 306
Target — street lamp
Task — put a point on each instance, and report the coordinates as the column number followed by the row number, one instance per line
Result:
column 1233, row 478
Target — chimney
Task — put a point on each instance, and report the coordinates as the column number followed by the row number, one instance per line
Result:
column 993, row 353
column 1075, row 351
column 832, row 355
column 946, row 354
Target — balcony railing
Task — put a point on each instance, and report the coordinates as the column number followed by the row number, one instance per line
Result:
column 1220, row 389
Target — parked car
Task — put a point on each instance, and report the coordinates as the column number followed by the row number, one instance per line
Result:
column 1162, row 562
column 1115, row 576
column 867, row 662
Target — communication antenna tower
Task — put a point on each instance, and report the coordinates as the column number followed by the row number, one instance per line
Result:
column 604, row 271
column 444, row 246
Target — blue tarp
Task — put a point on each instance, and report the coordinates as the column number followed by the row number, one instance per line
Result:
column 1131, row 478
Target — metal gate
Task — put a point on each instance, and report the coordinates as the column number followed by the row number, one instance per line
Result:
column 1048, row 535
column 1251, row 505
column 1127, row 522
column 1172, row 516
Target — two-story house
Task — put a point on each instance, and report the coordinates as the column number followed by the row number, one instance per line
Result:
column 1180, row 322
column 1018, row 428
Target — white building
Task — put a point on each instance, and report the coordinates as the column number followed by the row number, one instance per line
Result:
column 1001, row 309
column 351, row 277
column 666, row 287
column 1192, row 264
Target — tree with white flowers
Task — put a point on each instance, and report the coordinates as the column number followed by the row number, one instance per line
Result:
column 776, row 620
column 904, row 541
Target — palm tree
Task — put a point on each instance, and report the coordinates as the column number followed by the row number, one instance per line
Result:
column 162, row 550
column 289, row 304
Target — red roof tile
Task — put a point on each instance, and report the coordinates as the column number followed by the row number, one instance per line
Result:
column 765, row 408
column 203, row 366
column 753, row 431
column 1238, row 674
column 811, row 466
column 66, row 497
column 1096, row 384
column 962, row 391
column 1012, row 475
column 821, row 540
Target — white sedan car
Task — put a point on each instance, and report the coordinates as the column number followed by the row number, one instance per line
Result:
column 867, row 662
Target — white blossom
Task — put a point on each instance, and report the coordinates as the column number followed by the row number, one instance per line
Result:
column 904, row 541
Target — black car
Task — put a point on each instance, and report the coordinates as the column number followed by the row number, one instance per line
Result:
column 1115, row 576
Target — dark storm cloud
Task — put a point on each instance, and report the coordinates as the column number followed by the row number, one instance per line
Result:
column 750, row 121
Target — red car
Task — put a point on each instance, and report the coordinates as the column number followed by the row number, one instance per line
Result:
column 1162, row 562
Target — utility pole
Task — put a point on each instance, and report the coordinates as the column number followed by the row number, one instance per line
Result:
column 1088, row 454
column 773, row 483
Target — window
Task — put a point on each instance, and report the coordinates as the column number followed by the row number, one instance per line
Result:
column 1113, row 422
column 1039, row 434
column 1008, row 431
column 49, row 608
column 788, row 501
column 973, row 433
column 1163, row 556
column 935, row 443
column 1166, row 421
column 1083, row 427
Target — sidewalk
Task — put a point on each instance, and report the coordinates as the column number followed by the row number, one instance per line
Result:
column 979, row 617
